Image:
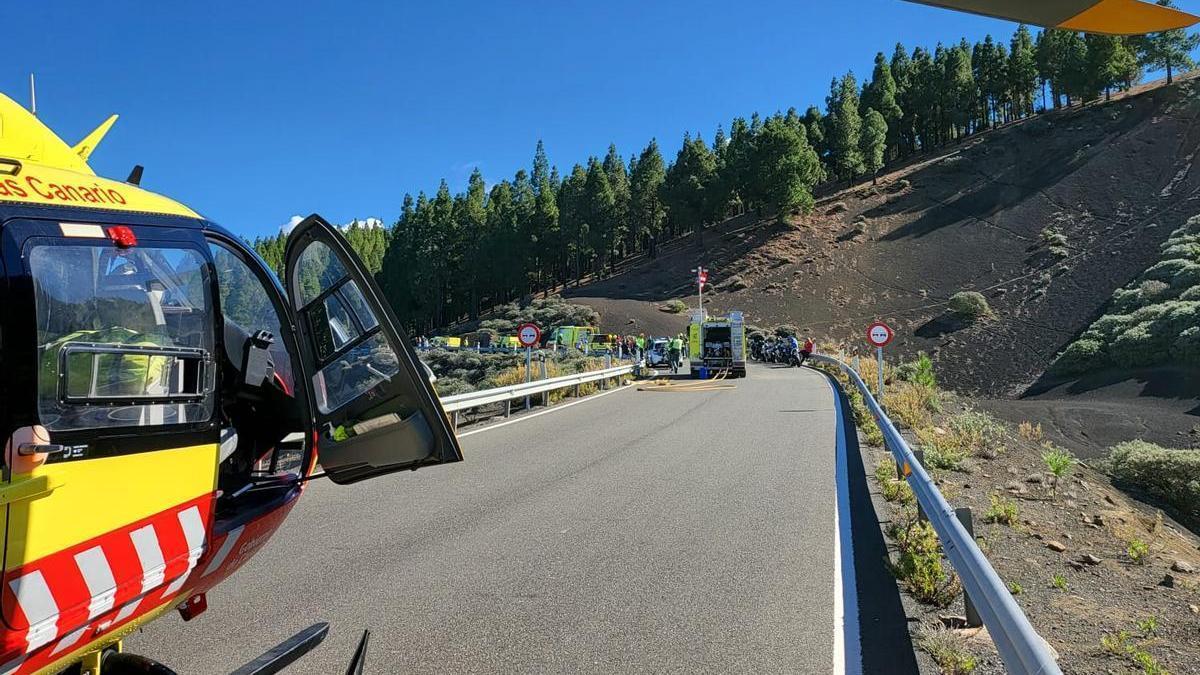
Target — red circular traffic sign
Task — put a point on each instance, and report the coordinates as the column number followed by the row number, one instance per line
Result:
column 528, row 334
column 880, row 334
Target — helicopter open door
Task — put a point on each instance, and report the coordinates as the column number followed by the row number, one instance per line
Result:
column 375, row 411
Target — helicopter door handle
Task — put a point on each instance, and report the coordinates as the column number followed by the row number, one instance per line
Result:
column 27, row 449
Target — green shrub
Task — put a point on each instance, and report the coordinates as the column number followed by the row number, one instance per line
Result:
column 1052, row 237
column 970, row 433
column 1151, row 289
column 919, row 371
column 919, row 565
column 785, row 330
column 947, row 650
column 1186, row 348
column 675, row 306
column 1110, row 326
column 1186, row 277
column 1169, row 475
column 1001, row 510
column 1164, row 270
column 1058, row 461
column 970, row 305
column 1080, row 356
column 1138, row 550
column 945, row 457
column 1136, row 347
column 1191, row 294
column 449, row 386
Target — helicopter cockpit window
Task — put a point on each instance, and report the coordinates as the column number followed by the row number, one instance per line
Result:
column 354, row 355
column 125, row 336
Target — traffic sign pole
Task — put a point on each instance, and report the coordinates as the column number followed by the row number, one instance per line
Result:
column 528, row 371
column 528, row 334
column 879, row 334
column 879, row 359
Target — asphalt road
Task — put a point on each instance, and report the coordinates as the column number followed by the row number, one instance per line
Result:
column 638, row 531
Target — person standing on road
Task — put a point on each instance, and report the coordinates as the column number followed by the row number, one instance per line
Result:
column 641, row 346
column 675, row 353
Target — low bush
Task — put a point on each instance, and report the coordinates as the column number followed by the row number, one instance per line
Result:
column 1168, row 475
column 1030, row 432
column 1052, row 236
column 947, row 650
column 919, row 371
column 545, row 312
column 864, row 419
column 1138, row 550
column 1079, row 357
column 970, row 305
column 675, row 307
column 918, row 565
column 785, row 330
column 1002, row 511
column 449, row 386
column 975, row 433
column 1151, row 289
column 1058, row 461
column 942, row 453
column 912, row 405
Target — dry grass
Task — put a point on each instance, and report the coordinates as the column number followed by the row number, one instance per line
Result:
column 1030, row 432
column 516, row 375
column 912, row 405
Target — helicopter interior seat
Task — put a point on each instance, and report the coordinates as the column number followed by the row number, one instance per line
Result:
column 258, row 411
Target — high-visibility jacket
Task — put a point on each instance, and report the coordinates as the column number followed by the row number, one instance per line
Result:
column 676, row 345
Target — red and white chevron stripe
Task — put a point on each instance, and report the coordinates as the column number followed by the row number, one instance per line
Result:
column 74, row 596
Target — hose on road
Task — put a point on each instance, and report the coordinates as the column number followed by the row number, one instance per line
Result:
column 714, row 384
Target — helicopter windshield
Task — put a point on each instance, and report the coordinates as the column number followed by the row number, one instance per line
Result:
column 124, row 336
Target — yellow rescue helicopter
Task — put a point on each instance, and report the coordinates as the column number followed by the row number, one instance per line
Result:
column 167, row 398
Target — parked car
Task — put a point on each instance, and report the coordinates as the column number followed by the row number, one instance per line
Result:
column 657, row 354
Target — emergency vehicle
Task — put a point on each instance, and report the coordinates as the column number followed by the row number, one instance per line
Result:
column 717, row 343
column 166, row 399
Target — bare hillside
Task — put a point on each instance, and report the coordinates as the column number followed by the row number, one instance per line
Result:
column 1114, row 179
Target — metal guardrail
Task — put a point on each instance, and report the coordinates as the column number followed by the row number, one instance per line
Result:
column 473, row 399
column 1023, row 650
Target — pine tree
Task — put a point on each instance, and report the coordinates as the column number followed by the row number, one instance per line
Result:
column 784, row 167
column 903, row 136
column 844, row 143
column 647, row 212
column 549, row 240
column 1076, row 80
column 686, row 189
column 541, row 167
column 960, row 94
column 1169, row 50
column 1110, row 63
column 1022, row 71
column 881, row 93
column 814, row 124
column 618, row 181
column 874, row 142
column 600, row 214
column 572, row 209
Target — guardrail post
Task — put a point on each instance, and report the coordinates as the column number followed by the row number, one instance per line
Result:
column 457, row 420
column 508, row 407
column 973, row 619
column 545, row 394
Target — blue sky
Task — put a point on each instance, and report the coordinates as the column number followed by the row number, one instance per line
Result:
column 254, row 112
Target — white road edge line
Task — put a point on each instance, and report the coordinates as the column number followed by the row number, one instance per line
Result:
column 556, row 408
column 847, row 646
